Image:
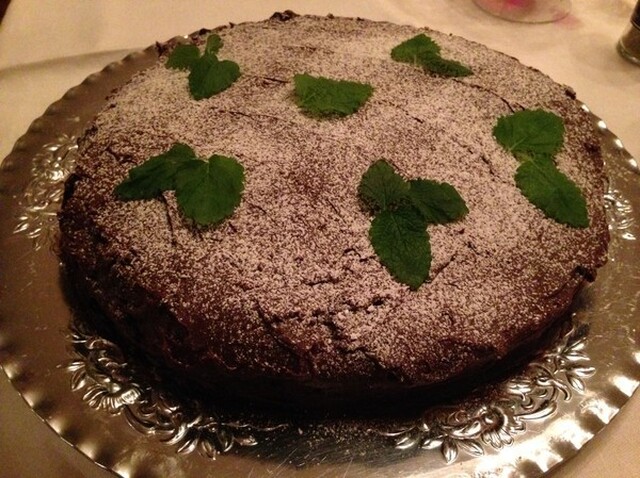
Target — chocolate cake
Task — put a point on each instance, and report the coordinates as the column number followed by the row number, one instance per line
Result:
column 287, row 297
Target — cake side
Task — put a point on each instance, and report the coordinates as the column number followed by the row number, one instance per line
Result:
column 289, row 288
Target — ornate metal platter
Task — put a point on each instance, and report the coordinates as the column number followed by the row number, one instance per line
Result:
column 126, row 418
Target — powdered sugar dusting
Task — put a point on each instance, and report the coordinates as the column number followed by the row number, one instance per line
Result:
column 293, row 268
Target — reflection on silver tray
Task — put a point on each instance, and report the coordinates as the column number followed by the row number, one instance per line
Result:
column 114, row 410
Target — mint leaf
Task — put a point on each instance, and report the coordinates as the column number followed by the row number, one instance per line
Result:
column 530, row 134
column 209, row 191
column 210, row 76
column 155, row 175
column 381, row 187
column 534, row 137
column 411, row 51
column 214, row 43
column 550, row 190
column 400, row 240
column 319, row 96
column 206, row 191
column 423, row 51
column 440, row 66
column 403, row 209
column 183, row 56
column 439, row 203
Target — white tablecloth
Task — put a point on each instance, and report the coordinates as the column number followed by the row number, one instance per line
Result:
column 47, row 47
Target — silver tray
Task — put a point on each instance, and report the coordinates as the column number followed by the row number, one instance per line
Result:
column 122, row 415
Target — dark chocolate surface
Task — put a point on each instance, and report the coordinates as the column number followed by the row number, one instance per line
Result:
column 289, row 291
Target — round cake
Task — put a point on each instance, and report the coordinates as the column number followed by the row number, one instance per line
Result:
column 287, row 297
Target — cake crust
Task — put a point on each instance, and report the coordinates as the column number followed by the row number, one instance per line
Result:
column 288, row 292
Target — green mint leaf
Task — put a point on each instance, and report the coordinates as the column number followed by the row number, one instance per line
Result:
column 400, row 240
column 440, row 66
column 210, row 76
column 403, row 210
column 521, row 156
column 411, row 50
column 530, row 134
column 439, row 203
column 214, row 43
column 319, row 96
column 381, row 188
column 209, row 191
column 155, row 175
column 183, row 56
column 423, row 51
column 554, row 193
column 534, row 137
column 206, row 191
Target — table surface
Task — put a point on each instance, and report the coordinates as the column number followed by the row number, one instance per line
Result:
column 48, row 47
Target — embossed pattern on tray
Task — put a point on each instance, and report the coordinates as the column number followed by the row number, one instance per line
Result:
column 119, row 415
column 42, row 197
